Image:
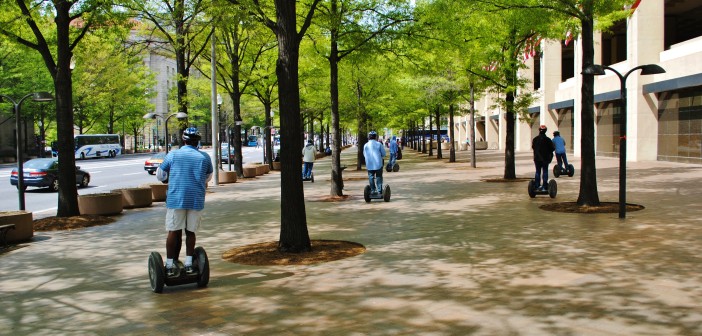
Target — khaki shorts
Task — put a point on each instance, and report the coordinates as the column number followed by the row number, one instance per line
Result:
column 178, row 219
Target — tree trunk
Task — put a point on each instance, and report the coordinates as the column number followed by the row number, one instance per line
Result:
column 236, row 104
column 431, row 137
column 439, row 154
column 294, row 236
column 68, row 192
column 588, row 172
column 452, row 149
column 511, row 79
column 337, row 182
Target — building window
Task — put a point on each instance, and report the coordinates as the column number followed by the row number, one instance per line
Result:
column 537, row 71
column 566, row 126
column 567, row 60
column 680, row 126
column 683, row 21
column 614, row 44
column 608, row 128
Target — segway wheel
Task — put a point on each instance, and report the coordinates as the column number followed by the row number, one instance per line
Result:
column 556, row 171
column 571, row 170
column 157, row 272
column 203, row 267
column 552, row 188
column 386, row 193
column 531, row 188
column 312, row 177
column 396, row 168
column 366, row 194
column 388, row 168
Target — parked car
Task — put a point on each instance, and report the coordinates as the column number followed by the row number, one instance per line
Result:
column 153, row 162
column 44, row 173
column 224, row 158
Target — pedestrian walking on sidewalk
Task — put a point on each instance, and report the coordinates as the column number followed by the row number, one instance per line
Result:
column 309, row 154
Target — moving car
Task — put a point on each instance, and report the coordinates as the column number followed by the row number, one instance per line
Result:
column 224, row 158
column 44, row 173
column 153, row 162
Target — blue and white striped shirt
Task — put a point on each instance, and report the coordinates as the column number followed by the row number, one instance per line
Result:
column 188, row 169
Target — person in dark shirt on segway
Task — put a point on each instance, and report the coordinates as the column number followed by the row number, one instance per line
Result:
column 543, row 155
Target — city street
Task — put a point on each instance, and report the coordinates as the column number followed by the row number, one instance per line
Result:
column 105, row 174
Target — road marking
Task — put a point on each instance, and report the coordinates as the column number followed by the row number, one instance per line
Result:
column 46, row 210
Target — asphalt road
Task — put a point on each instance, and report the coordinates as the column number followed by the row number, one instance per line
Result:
column 105, row 174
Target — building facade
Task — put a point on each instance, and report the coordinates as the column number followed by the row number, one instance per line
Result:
column 664, row 111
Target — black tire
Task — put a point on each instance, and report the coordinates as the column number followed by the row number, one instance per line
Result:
column 366, row 194
column 82, row 156
column 203, row 267
column 532, row 193
column 54, row 185
column 386, row 193
column 151, row 172
column 556, row 171
column 85, row 181
column 552, row 188
column 396, row 168
column 388, row 168
column 571, row 170
column 157, row 272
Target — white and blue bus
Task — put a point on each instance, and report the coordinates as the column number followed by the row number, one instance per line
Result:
column 97, row 145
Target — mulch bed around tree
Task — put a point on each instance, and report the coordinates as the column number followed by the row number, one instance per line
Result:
column 604, row 207
column 70, row 223
column 333, row 198
column 266, row 254
column 503, row 180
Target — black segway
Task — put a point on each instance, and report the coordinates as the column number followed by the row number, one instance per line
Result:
column 558, row 171
column 384, row 195
column 158, row 277
column 551, row 191
column 311, row 179
column 395, row 168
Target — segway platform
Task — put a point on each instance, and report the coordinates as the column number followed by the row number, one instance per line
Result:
column 368, row 196
column 158, row 277
column 551, row 191
column 311, row 179
column 558, row 171
column 395, row 168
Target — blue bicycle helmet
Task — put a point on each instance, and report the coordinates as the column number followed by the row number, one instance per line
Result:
column 372, row 135
column 191, row 134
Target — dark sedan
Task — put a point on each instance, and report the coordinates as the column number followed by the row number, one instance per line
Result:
column 43, row 173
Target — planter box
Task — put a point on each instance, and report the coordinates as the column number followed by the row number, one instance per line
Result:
column 260, row 170
column 481, row 145
column 227, row 176
column 135, row 197
column 100, row 204
column 158, row 191
column 249, row 172
column 24, row 225
column 276, row 165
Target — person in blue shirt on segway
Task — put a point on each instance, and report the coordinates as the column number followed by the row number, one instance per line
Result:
column 374, row 154
column 392, row 164
column 563, row 167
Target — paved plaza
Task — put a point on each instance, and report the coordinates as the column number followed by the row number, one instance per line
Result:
column 450, row 254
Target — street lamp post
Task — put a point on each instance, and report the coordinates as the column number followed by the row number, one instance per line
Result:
column 178, row 115
column 37, row 97
column 598, row 70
